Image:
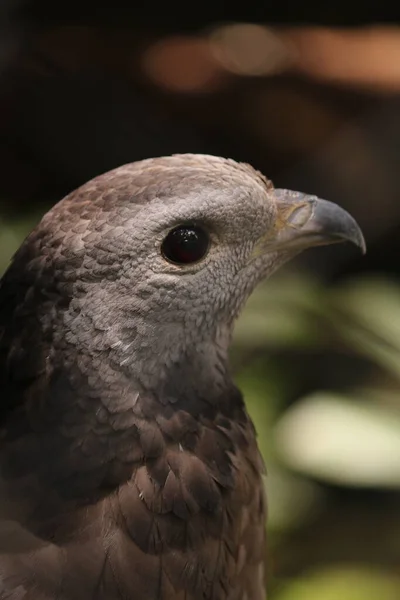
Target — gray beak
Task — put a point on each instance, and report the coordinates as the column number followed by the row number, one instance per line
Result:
column 304, row 221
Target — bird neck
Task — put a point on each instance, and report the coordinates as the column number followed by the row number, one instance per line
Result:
column 99, row 425
column 147, row 352
column 200, row 369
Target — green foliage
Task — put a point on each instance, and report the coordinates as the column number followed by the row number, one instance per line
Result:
column 342, row 584
column 349, row 438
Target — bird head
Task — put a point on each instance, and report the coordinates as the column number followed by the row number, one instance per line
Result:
column 156, row 259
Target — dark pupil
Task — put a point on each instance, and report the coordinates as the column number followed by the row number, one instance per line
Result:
column 185, row 244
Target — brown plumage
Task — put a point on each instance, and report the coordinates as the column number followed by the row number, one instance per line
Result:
column 129, row 466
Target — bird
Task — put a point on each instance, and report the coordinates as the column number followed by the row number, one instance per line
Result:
column 129, row 466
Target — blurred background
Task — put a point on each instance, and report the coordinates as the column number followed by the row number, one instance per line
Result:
column 310, row 95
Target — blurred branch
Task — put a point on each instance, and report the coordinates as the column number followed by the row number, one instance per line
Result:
column 366, row 57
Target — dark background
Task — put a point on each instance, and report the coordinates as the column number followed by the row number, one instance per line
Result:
column 312, row 98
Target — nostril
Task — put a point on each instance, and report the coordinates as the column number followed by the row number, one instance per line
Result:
column 299, row 215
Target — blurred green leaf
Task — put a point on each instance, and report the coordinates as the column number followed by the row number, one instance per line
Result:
column 366, row 313
column 274, row 316
column 342, row 584
column 291, row 500
column 12, row 235
column 342, row 439
column 262, row 387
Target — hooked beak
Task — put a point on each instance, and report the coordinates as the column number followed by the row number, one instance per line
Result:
column 304, row 221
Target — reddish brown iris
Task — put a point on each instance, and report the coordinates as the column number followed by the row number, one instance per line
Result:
column 185, row 244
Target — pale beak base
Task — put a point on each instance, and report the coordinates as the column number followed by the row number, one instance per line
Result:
column 304, row 221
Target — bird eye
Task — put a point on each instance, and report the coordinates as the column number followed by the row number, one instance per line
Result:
column 185, row 244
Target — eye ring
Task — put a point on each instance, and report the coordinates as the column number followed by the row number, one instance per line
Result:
column 185, row 244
